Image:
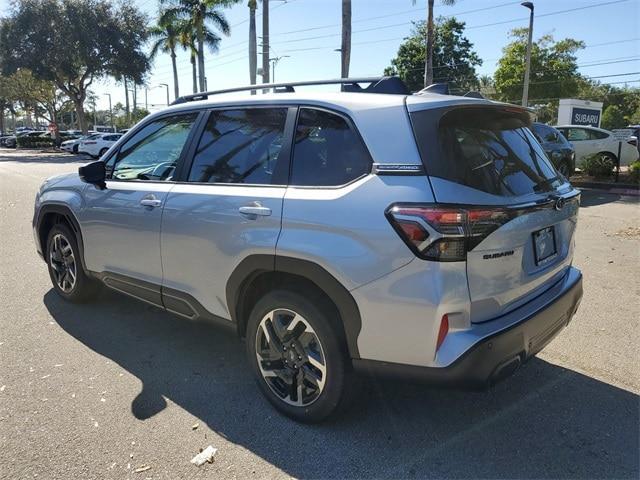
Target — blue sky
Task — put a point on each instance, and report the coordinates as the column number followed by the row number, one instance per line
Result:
column 309, row 31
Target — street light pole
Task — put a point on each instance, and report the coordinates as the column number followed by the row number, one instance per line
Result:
column 110, row 110
column 525, row 89
column 167, row 87
column 274, row 61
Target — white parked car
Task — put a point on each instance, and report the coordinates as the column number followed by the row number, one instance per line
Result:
column 98, row 146
column 73, row 144
column 589, row 140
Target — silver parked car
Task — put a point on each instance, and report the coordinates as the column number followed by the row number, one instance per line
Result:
column 371, row 230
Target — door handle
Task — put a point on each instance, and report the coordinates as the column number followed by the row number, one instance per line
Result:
column 254, row 210
column 150, row 201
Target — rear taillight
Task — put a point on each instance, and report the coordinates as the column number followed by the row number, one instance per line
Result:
column 442, row 333
column 445, row 234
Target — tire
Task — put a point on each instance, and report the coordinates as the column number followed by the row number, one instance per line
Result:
column 323, row 377
column 609, row 156
column 75, row 149
column 63, row 262
column 102, row 152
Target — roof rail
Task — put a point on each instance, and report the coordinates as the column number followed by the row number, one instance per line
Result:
column 391, row 85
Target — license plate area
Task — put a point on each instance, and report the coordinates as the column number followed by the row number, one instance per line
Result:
column 544, row 245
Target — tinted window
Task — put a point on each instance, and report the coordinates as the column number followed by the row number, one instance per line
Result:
column 493, row 151
column 577, row 134
column 597, row 135
column 544, row 133
column 153, row 152
column 240, row 146
column 327, row 151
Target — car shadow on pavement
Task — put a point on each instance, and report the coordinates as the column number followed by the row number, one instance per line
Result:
column 594, row 197
column 21, row 156
column 544, row 422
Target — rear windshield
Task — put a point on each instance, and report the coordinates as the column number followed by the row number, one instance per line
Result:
column 489, row 149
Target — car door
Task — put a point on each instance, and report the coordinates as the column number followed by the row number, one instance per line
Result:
column 121, row 223
column 228, row 205
column 579, row 138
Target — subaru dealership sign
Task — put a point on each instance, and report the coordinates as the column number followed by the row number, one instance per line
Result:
column 579, row 112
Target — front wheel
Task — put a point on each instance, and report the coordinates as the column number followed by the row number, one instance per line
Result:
column 298, row 356
column 63, row 260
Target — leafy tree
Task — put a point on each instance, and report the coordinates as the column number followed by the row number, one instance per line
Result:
column 454, row 59
column 202, row 14
column 626, row 99
column 40, row 96
column 430, row 37
column 73, row 42
column 612, row 117
column 6, row 101
column 554, row 72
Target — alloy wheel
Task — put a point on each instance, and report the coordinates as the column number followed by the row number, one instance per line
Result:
column 63, row 263
column 290, row 357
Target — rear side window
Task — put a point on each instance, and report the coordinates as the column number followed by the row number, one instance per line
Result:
column 488, row 149
column 597, row 135
column 327, row 151
column 240, row 146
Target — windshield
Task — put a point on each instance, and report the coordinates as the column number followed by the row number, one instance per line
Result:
column 492, row 150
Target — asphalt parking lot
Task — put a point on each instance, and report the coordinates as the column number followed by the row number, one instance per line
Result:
column 100, row 390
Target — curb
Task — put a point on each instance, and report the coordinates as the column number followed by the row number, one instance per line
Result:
column 615, row 188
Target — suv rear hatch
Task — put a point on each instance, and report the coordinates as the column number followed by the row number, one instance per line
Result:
column 499, row 198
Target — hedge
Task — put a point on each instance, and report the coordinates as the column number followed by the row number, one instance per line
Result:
column 34, row 142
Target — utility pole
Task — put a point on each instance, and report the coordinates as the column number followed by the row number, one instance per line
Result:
column 146, row 99
column 265, row 41
column 525, row 89
column 110, row 110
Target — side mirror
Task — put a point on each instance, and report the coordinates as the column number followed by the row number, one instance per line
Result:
column 94, row 173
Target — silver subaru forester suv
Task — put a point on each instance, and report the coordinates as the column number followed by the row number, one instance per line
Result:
column 369, row 230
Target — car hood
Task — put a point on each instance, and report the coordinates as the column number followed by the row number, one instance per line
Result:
column 61, row 181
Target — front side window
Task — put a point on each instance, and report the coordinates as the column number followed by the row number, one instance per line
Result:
column 577, row 134
column 492, row 150
column 327, row 151
column 153, row 152
column 240, row 146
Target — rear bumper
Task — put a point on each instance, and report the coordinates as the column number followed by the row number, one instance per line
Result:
column 501, row 353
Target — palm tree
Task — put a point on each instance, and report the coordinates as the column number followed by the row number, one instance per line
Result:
column 253, row 47
column 200, row 13
column 345, row 49
column 428, row 61
column 166, row 35
column 188, row 42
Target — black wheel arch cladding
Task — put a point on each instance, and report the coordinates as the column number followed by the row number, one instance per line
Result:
column 254, row 265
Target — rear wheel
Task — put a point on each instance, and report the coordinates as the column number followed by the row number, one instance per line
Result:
column 298, row 357
column 63, row 260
